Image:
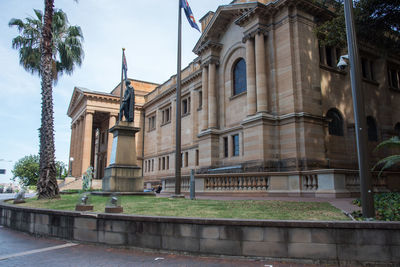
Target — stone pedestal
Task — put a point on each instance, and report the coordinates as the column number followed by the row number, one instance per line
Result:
column 123, row 174
column 80, row 207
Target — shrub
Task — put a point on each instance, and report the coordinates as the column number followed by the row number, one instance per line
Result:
column 387, row 207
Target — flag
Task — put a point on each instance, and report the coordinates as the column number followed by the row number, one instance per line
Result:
column 124, row 65
column 189, row 14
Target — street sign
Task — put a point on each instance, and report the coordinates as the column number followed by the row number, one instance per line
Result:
column 2, row 171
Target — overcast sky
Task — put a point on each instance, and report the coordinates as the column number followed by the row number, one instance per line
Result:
column 148, row 31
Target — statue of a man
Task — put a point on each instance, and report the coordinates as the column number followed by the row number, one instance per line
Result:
column 128, row 103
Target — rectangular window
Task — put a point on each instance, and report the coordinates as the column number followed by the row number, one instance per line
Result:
column 186, row 159
column 200, row 99
column 166, row 115
column 159, row 164
column 329, row 56
column 152, row 122
column 186, row 106
column 393, row 75
column 167, row 162
column 226, row 147
column 197, row 157
column 367, row 68
column 163, row 163
column 235, row 145
column 152, row 165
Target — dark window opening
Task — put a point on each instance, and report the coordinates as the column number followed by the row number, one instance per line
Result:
column 372, row 129
column 397, row 129
column 226, row 147
column 336, row 122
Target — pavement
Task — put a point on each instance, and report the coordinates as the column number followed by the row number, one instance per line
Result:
column 21, row 249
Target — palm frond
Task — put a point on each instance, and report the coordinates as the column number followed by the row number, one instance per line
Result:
column 388, row 162
column 392, row 142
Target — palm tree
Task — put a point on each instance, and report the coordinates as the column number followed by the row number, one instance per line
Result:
column 391, row 160
column 48, row 46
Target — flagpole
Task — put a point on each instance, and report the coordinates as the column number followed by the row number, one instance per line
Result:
column 178, row 157
column 122, row 80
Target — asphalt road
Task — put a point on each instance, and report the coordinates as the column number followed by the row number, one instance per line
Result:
column 21, row 249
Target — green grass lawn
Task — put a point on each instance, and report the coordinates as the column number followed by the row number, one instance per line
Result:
column 240, row 209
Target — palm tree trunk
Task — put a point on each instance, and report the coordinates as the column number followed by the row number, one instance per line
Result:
column 47, row 185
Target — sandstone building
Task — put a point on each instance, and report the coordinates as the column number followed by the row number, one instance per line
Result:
column 264, row 108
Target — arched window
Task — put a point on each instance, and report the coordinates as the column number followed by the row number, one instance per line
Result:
column 336, row 122
column 239, row 77
column 372, row 129
column 397, row 129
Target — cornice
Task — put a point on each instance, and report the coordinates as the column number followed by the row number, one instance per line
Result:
column 209, row 60
column 215, row 46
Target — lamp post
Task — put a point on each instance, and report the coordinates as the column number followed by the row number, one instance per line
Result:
column 359, row 114
column 71, row 159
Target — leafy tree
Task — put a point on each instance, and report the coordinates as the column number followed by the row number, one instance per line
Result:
column 48, row 46
column 391, row 160
column 26, row 170
column 376, row 21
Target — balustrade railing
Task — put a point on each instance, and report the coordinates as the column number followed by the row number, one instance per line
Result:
column 310, row 182
column 236, row 182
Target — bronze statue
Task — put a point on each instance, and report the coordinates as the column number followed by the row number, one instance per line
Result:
column 128, row 103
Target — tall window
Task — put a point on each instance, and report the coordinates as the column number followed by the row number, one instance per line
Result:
column 235, row 145
column 239, row 77
column 186, row 106
column 393, row 75
column 226, row 147
column 186, row 159
column 372, row 129
column 197, row 157
column 152, row 122
column 367, row 68
column 166, row 115
column 336, row 122
column 200, row 99
column 397, row 129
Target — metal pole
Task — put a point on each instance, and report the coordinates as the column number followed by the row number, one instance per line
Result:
column 359, row 114
column 192, row 185
column 178, row 158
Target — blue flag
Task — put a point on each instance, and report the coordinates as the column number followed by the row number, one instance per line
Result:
column 189, row 14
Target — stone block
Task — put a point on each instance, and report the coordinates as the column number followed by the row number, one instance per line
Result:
column 395, row 251
column 253, row 233
column 211, row 232
column 326, row 236
column 112, row 226
column 312, row 251
column 364, row 253
column 152, row 228
column 395, row 235
column 265, row 249
column 41, row 219
column 144, row 241
column 299, row 235
column 232, row 233
column 112, row 238
column 180, row 243
column 83, row 234
column 188, row 230
column 43, row 229
column 224, row 247
column 85, row 223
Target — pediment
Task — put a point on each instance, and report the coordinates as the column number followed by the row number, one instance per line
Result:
column 77, row 96
column 220, row 21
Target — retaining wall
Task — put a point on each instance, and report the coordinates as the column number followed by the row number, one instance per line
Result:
column 348, row 243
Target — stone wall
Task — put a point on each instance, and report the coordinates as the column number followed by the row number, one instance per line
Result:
column 352, row 243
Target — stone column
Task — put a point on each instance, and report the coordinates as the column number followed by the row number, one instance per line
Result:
column 261, row 77
column 111, row 122
column 251, row 78
column 78, row 154
column 212, row 97
column 71, row 148
column 87, row 140
column 204, row 83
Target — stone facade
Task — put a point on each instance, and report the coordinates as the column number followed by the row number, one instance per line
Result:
column 281, row 124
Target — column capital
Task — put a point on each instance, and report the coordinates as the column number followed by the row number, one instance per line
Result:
column 88, row 111
column 209, row 60
column 252, row 32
